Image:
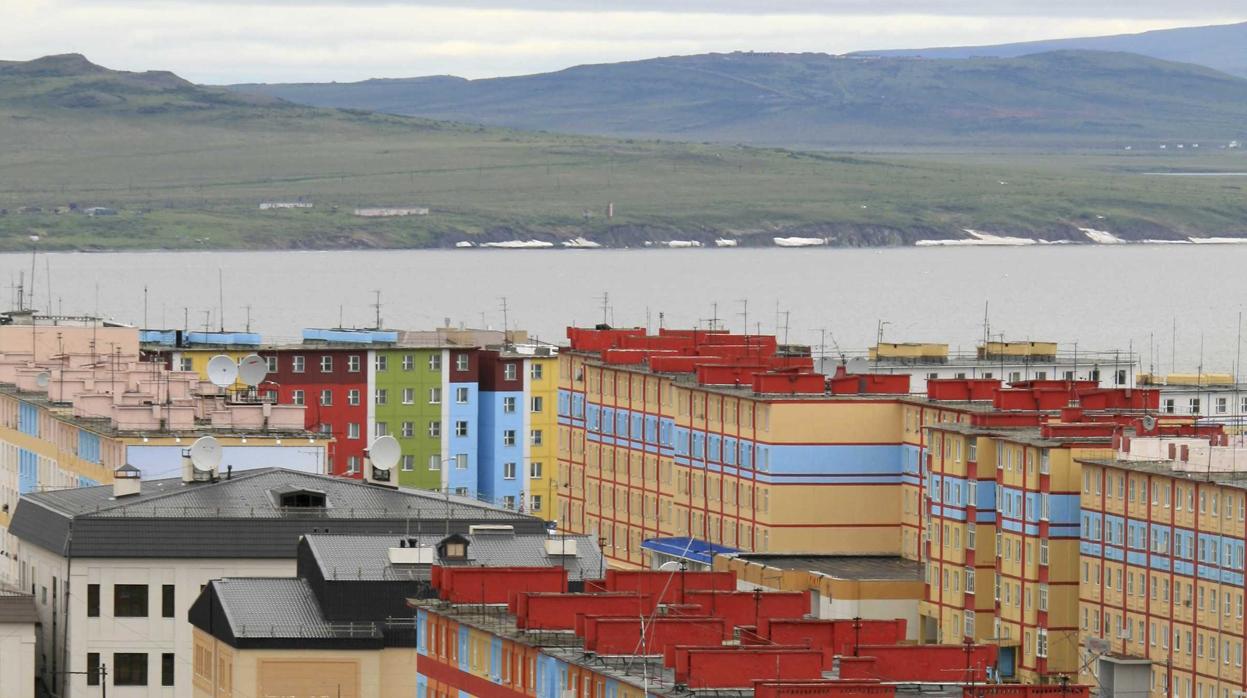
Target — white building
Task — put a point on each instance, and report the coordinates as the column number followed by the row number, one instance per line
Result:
column 1011, row 362
column 18, row 622
column 116, row 568
column 392, row 212
column 1214, row 397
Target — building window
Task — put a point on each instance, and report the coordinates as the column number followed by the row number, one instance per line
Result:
column 536, row 502
column 353, row 363
column 326, row 398
column 536, row 371
column 93, row 668
column 409, row 396
column 296, row 397
column 435, row 429
column 508, row 437
column 352, row 464
column 166, row 669
column 508, row 405
column 435, row 461
column 298, row 364
column 461, row 396
column 508, row 502
column 270, row 363
column 435, row 361
column 408, row 430
column 1223, row 404
column 508, row 471
column 538, row 403
column 381, row 396
column 534, row 470
column 93, row 600
column 352, row 397
column 461, row 428
column 130, row 600
column 326, row 364
column 409, row 463
column 508, row 371
column 383, row 362
column 435, row 396
column 461, row 491
column 167, row 596
column 186, row 363
column 352, row 430
column 536, row 437
column 381, row 429
column 409, row 362
column 129, row 669
column 461, row 461
column 461, row 362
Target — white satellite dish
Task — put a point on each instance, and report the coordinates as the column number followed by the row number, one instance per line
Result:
column 43, row 379
column 206, row 454
column 222, row 371
column 252, row 369
column 385, row 452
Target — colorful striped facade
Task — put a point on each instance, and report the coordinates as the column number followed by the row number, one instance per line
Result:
column 1162, row 573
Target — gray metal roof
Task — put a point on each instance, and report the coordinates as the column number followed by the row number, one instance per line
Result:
column 855, row 567
column 236, row 517
column 17, row 607
column 280, row 608
column 366, row 558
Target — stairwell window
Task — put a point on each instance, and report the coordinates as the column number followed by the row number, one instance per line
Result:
column 508, row 471
column 461, row 396
column 508, row 405
column 461, row 428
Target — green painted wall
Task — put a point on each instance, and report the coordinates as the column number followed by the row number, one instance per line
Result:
column 419, row 378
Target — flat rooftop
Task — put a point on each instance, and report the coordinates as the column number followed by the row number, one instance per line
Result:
column 855, row 567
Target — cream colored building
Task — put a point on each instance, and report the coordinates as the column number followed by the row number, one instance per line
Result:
column 18, row 644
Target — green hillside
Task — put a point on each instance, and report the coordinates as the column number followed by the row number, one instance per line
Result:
column 186, row 167
column 1060, row 100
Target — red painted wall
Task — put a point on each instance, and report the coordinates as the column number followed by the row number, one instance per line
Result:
column 832, row 636
column 621, row 635
column 559, row 611
column 495, row 585
column 821, row 689
column 698, row 667
column 746, row 607
column 339, row 381
column 668, row 587
column 940, row 663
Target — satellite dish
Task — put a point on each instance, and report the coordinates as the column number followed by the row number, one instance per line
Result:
column 252, row 369
column 385, row 452
column 43, row 379
column 206, row 454
column 1149, row 422
column 222, row 371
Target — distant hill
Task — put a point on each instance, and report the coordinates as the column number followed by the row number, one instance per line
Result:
column 1058, row 99
column 180, row 166
column 1222, row 47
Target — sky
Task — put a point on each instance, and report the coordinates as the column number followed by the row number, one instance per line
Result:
column 230, row 41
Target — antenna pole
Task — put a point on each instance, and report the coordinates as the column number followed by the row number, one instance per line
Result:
column 145, row 305
column 377, row 307
column 248, row 318
column 506, row 325
column 220, row 286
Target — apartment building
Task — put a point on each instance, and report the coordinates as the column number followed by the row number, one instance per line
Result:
column 114, row 569
column 728, row 440
column 1162, row 567
column 428, row 389
column 18, row 630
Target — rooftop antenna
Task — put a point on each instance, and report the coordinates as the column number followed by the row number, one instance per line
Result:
column 205, row 455
column 47, row 279
column 208, row 320
column 606, row 303
column 220, row 286
column 987, row 323
column 1173, row 347
column 376, row 306
column 506, row 325
column 879, row 331
column 787, row 313
column 34, row 252
column 744, row 313
column 383, row 454
column 145, row 305
column 248, row 325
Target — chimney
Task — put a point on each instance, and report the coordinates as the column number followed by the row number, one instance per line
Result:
column 127, row 481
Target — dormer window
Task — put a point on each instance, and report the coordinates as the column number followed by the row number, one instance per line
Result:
column 453, row 547
column 290, row 497
column 303, row 500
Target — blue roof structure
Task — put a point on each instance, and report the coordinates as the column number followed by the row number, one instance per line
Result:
column 687, row 548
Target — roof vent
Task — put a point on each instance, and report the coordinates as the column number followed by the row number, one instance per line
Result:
column 411, row 556
column 560, row 547
column 491, row 530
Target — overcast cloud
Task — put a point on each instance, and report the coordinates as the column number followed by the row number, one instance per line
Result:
column 223, row 41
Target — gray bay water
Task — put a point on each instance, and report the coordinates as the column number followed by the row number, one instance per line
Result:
column 1103, row 297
